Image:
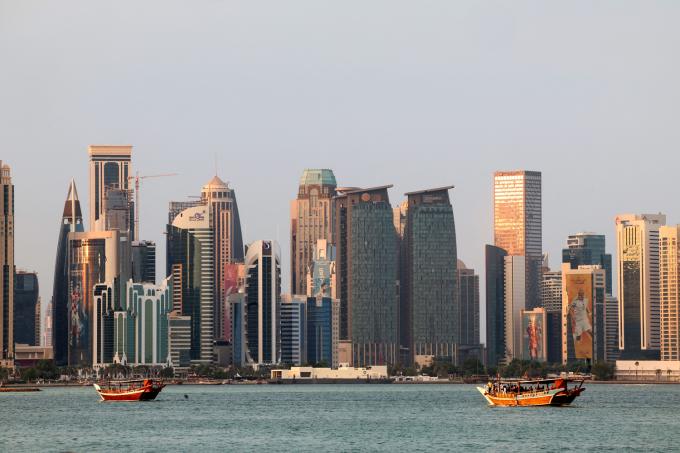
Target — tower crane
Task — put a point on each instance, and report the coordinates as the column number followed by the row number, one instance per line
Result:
column 137, row 180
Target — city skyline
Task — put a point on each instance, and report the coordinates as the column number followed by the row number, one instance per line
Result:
column 466, row 101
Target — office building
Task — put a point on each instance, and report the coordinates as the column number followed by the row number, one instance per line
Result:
column 430, row 308
column 495, row 304
column 234, row 283
column 321, row 276
column 110, row 168
column 638, row 284
column 92, row 259
column 102, row 346
column 263, row 301
column 534, row 344
column 294, row 331
column 468, row 295
column 518, row 224
column 237, row 310
column 144, row 262
column 148, row 307
column 366, row 266
column 116, row 210
column 310, row 220
column 612, row 353
column 583, row 299
column 71, row 222
column 47, row 331
column 26, row 300
column 179, row 341
column 322, row 337
column 669, row 285
column 585, row 249
column 551, row 289
column 225, row 222
column 190, row 263
column 515, row 303
column 6, row 263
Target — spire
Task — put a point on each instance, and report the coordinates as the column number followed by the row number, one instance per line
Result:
column 72, row 211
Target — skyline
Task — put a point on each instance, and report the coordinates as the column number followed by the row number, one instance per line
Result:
column 342, row 87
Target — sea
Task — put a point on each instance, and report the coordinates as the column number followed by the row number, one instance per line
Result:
column 326, row 417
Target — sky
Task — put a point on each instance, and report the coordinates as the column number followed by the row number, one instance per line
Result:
column 418, row 94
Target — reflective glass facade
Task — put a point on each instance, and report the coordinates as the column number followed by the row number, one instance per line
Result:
column 26, row 299
column 588, row 249
column 293, row 332
column 468, row 290
column 495, row 304
column 320, row 330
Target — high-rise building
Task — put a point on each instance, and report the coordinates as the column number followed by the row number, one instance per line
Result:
column 367, row 268
column 551, row 289
column 92, row 260
column 47, row 331
column 6, row 263
column 179, row 341
column 638, row 284
column 71, row 222
column 495, row 304
column 190, row 262
column 468, row 295
column 515, row 303
column 38, row 321
column 321, row 276
column 103, row 298
column 144, row 262
column 534, row 342
column 669, row 284
column 322, row 330
column 263, row 301
column 430, row 307
column 237, row 310
column 116, row 210
column 612, row 352
column 310, row 220
column 110, row 168
column 583, row 299
column 227, row 241
column 518, row 224
column 588, row 249
column 294, row 331
column 26, row 298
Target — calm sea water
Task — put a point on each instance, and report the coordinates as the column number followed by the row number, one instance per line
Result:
column 339, row 418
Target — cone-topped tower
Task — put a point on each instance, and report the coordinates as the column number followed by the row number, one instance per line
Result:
column 72, row 222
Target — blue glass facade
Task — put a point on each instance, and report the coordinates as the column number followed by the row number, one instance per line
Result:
column 320, row 330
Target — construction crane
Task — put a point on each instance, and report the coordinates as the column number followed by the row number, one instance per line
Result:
column 137, row 180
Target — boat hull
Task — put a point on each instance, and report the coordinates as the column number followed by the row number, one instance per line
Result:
column 555, row 397
column 146, row 393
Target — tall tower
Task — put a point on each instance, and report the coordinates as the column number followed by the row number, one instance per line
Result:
column 227, row 241
column 6, row 263
column 428, row 282
column 366, row 272
column 26, row 299
column 468, row 295
column 588, row 249
column 310, row 220
column 110, row 168
column 669, row 283
column 495, row 303
column 189, row 261
column 263, row 302
column 515, row 303
column 518, row 223
column 71, row 222
column 638, row 274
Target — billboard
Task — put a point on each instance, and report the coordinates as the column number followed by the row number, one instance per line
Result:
column 579, row 313
column 533, row 335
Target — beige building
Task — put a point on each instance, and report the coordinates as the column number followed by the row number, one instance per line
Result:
column 310, row 220
column 669, row 292
column 110, row 168
column 515, row 303
column 648, row 370
column 6, row 264
column 637, row 264
column 343, row 372
column 518, row 229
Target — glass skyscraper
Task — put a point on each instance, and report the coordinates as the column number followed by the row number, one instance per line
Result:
column 366, row 264
column 468, row 295
column 588, row 249
column 430, row 307
column 495, row 304
column 294, row 331
column 26, row 300
column 6, row 263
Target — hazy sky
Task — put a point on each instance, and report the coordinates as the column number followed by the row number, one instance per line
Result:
column 417, row 94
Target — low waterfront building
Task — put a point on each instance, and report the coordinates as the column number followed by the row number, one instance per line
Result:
column 343, row 372
column 26, row 355
column 648, row 370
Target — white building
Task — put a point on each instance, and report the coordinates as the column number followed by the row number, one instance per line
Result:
column 343, row 372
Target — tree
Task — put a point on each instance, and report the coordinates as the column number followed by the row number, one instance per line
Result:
column 603, row 371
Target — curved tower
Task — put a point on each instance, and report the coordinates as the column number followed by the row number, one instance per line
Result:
column 72, row 222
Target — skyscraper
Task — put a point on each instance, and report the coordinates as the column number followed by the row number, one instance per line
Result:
column 429, row 285
column 468, row 295
column 71, row 222
column 227, row 241
column 190, row 261
column 611, row 329
column 6, row 263
column 144, row 262
column 310, row 220
column 110, row 168
column 638, row 284
column 515, row 303
column 669, row 283
column 294, row 331
column 551, row 289
column 26, row 298
column 366, row 263
column 518, row 223
column 263, row 301
column 495, row 304
column 588, row 249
